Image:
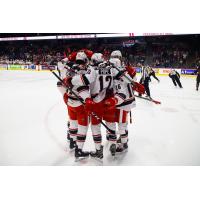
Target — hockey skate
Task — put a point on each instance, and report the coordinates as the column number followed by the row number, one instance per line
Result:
column 72, row 144
column 113, row 149
column 122, row 148
column 80, row 154
column 97, row 154
column 119, row 141
column 68, row 134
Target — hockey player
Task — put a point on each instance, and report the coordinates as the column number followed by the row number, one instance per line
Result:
column 95, row 87
column 125, row 99
column 175, row 76
column 198, row 78
column 63, row 70
column 76, row 110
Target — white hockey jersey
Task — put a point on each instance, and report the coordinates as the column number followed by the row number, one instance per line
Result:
column 100, row 79
column 124, row 94
column 62, row 70
column 81, row 91
column 62, row 74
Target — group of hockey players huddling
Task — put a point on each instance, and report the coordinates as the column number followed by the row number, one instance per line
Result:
column 96, row 90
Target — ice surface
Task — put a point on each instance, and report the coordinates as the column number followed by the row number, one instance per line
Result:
column 33, row 120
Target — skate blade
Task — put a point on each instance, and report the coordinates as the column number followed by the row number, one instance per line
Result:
column 81, row 158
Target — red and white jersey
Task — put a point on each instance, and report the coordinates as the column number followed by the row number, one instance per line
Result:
column 81, row 90
column 102, row 84
column 62, row 70
column 62, row 74
column 124, row 93
column 99, row 80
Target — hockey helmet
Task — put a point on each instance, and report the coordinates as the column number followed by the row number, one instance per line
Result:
column 116, row 54
column 97, row 58
column 115, row 62
column 81, row 58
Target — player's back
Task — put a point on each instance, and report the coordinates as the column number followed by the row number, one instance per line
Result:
column 103, row 82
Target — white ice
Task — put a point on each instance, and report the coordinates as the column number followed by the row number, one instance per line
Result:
column 33, row 120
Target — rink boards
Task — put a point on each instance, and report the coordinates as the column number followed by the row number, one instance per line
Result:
column 44, row 68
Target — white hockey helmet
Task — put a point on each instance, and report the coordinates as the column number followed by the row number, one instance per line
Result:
column 116, row 54
column 81, row 58
column 97, row 58
column 116, row 62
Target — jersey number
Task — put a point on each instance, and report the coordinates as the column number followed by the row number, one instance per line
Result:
column 107, row 79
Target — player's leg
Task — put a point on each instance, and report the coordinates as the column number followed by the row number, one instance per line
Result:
column 62, row 90
column 96, row 132
column 68, row 133
column 82, row 118
column 73, row 127
column 123, row 130
column 97, row 138
column 110, row 118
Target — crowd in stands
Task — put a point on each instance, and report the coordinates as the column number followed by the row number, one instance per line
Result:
column 154, row 54
column 169, row 57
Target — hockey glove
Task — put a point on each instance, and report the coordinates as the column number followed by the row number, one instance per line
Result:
column 131, row 71
column 65, row 98
column 89, row 105
column 67, row 81
column 111, row 102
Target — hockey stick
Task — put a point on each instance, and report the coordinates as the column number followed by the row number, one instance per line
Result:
column 130, row 117
column 132, row 83
column 145, row 98
column 82, row 102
